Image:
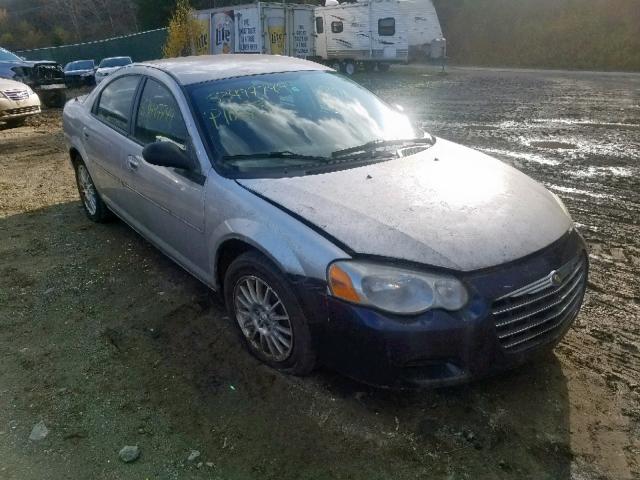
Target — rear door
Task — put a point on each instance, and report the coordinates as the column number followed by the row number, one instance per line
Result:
column 300, row 31
column 105, row 135
column 168, row 203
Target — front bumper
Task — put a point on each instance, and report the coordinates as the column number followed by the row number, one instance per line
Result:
column 10, row 109
column 440, row 348
column 44, row 89
column 75, row 81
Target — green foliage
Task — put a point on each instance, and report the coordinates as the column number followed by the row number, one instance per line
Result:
column 583, row 34
column 184, row 31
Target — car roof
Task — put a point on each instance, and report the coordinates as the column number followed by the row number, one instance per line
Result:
column 204, row 68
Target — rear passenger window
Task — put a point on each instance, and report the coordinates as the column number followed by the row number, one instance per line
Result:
column 387, row 27
column 159, row 117
column 319, row 25
column 114, row 104
column 336, row 27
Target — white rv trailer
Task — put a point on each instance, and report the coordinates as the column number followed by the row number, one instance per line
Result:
column 425, row 33
column 262, row 27
column 371, row 33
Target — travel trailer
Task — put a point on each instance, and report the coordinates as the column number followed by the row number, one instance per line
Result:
column 425, row 33
column 274, row 28
column 369, row 34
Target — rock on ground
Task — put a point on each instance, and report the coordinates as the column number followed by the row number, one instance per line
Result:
column 39, row 432
column 129, row 453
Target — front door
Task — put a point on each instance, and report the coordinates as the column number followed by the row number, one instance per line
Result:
column 167, row 203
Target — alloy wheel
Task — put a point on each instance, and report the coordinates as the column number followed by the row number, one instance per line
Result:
column 87, row 190
column 263, row 318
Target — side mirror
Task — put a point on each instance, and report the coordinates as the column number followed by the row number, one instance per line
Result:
column 167, row 154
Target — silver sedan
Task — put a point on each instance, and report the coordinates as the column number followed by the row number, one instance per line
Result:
column 337, row 231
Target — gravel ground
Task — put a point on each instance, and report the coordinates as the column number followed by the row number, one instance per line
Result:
column 109, row 344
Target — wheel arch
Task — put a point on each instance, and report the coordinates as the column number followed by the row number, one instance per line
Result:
column 231, row 248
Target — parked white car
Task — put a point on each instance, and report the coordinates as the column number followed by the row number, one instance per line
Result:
column 17, row 102
column 109, row 65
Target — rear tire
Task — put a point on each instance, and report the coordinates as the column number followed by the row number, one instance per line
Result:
column 267, row 314
column 94, row 207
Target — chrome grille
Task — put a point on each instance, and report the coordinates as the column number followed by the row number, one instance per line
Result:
column 20, row 111
column 535, row 313
column 18, row 94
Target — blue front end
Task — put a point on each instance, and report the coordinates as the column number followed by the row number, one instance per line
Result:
column 494, row 332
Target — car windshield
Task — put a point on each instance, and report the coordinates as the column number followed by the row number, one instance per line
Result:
column 281, row 121
column 115, row 62
column 79, row 65
column 7, row 56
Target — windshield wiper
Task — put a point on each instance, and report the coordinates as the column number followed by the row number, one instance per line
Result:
column 286, row 154
column 379, row 144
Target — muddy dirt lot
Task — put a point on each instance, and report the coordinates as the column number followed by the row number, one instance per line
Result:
column 110, row 344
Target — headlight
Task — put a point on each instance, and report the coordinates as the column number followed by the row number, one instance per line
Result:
column 30, row 91
column 562, row 205
column 395, row 290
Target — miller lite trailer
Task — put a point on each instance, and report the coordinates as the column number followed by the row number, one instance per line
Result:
column 275, row 28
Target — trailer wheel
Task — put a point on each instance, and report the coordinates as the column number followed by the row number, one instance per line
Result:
column 337, row 66
column 369, row 66
column 383, row 67
column 349, row 67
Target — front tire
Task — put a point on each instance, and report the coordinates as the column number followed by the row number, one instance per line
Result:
column 55, row 99
column 349, row 68
column 94, row 207
column 16, row 122
column 267, row 315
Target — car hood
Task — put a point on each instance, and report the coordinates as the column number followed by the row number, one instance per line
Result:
column 28, row 63
column 448, row 206
column 6, row 84
column 79, row 72
column 107, row 70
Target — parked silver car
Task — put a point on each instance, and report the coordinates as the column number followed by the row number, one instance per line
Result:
column 337, row 232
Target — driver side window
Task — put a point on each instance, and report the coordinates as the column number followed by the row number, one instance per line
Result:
column 159, row 117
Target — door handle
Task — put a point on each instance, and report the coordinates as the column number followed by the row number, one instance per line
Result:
column 133, row 162
column 85, row 133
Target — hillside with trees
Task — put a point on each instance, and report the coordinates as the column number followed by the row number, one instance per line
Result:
column 585, row 34
column 582, row 34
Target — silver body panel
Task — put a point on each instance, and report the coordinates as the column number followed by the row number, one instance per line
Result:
column 188, row 70
column 464, row 211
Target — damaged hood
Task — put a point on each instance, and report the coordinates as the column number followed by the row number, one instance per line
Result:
column 448, row 206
